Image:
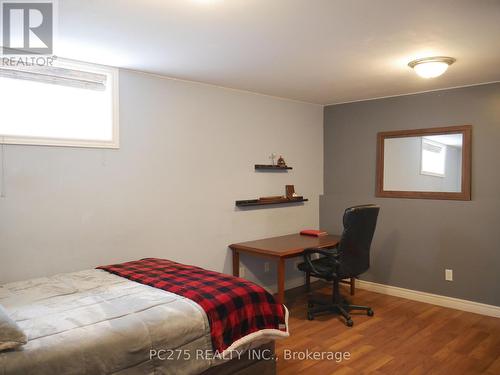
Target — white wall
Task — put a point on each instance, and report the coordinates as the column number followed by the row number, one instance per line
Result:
column 187, row 153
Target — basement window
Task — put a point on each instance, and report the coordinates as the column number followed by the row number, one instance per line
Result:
column 71, row 104
column 433, row 161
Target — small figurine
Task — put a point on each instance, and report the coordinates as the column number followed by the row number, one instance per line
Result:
column 272, row 157
column 281, row 162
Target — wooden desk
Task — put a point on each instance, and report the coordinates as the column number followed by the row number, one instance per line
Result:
column 279, row 249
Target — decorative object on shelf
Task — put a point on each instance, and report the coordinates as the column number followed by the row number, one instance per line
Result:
column 313, row 232
column 290, row 191
column 259, row 202
column 279, row 165
column 281, row 162
column 271, row 198
column 272, row 157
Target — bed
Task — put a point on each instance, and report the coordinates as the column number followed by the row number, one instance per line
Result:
column 96, row 322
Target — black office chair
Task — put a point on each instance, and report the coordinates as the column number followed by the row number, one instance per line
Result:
column 350, row 258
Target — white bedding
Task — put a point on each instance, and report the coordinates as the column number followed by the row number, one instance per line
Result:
column 92, row 322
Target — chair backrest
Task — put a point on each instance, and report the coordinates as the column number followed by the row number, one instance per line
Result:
column 355, row 243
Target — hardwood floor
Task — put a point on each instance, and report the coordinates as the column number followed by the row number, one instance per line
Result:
column 404, row 337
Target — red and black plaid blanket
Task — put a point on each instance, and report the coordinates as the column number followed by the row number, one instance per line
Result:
column 235, row 307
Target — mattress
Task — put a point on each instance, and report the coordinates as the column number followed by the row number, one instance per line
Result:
column 94, row 322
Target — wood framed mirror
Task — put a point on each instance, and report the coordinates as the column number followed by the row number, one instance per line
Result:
column 432, row 163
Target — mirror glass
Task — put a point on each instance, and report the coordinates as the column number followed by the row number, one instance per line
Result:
column 430, row 163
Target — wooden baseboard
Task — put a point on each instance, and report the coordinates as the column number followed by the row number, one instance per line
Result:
column 434, row 299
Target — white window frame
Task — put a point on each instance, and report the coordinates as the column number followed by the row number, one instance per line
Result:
column 437, row 144
column 115, row 141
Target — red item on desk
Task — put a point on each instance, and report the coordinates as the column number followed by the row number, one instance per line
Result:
column 313, row 232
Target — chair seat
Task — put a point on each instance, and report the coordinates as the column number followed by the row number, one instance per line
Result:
column 324, row 266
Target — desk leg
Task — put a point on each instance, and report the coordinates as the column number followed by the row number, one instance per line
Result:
column 236, row 263
column 281, row 280
column 353, row 286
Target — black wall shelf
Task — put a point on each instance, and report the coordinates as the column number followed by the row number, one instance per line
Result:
column 257, row 202
column 271, row 167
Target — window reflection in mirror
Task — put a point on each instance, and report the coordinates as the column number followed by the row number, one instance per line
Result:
column 430, row 163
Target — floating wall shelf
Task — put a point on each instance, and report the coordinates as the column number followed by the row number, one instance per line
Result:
column 258, row 202
column 271, row 167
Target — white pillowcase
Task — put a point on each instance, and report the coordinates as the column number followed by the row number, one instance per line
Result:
column 11, row 336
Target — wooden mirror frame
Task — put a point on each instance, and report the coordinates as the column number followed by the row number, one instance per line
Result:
column 463, row 195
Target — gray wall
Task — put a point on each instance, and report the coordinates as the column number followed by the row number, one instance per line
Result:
column 187, row 153
column 417, row 239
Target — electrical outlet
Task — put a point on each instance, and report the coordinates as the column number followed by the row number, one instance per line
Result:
column 448, row 275
column 266, row 267
column 242, row 272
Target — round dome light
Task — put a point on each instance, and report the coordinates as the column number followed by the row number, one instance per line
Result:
column 431, row 67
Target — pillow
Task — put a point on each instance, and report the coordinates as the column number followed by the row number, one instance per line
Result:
column 11, row 335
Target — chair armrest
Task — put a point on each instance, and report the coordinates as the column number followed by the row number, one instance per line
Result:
column 314, row 250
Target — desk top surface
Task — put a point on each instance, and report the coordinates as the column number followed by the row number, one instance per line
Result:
column 285, row 246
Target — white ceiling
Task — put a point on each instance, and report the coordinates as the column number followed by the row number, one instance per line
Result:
column 321, row 51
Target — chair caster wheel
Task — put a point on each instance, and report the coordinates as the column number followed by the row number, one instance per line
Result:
column 310, row 304
column 369, row 312
column 310, row 316
column 349, row 323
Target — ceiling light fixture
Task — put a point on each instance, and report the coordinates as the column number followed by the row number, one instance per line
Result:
column 430, row 67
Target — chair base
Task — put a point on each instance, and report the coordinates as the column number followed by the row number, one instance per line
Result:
column 315, row 307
